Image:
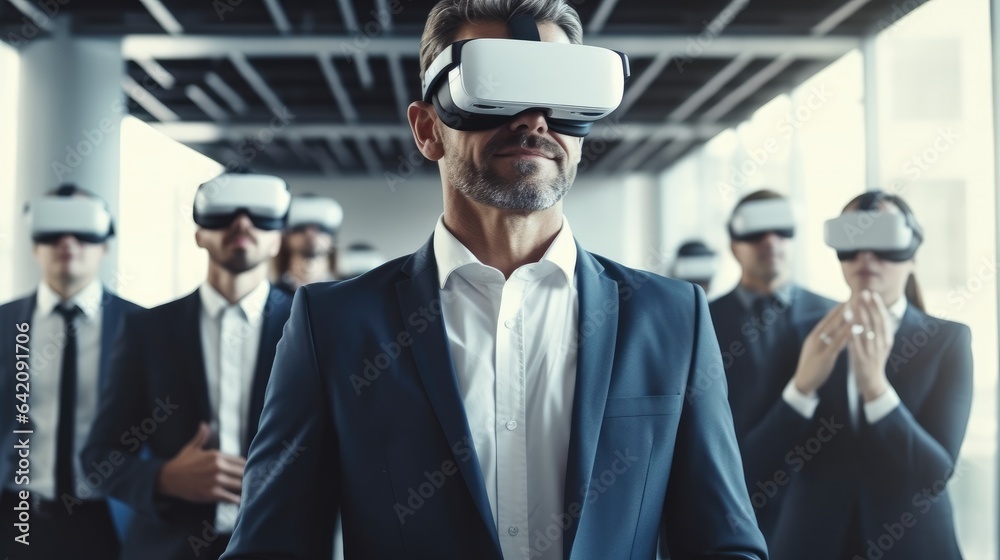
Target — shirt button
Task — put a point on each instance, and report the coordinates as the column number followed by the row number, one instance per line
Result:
column 512, row 531
column 509, row 323
column 511, row 425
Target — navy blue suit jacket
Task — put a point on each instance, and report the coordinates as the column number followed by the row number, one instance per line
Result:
column 892, row 472
column 113, row 310
column 157, row 396
column 363, row 412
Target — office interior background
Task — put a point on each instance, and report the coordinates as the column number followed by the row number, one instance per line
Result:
column 142, row 100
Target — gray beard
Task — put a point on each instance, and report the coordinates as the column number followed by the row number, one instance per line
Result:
column 485, row 186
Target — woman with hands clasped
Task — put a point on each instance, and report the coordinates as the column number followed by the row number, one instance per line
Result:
column 872, row 421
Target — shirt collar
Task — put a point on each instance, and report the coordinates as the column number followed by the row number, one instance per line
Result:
column 747, row 297
column 88, row 299
column 252, row 304
column 898, row 309
column 451, row 255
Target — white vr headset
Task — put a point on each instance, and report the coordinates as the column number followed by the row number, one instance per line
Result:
column 264, row 198
column 324, row 213
column 85, row 218
column 355, row 261
column 695, row 267
column 480, row 84
column 752, row 220
column 888, row 235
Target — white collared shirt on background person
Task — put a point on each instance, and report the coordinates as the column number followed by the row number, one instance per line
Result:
column 48, row 334
column 875, row 409
column 513, row 343
column 230, row 339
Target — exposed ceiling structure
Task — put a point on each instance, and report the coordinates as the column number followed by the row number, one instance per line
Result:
column 300, row 87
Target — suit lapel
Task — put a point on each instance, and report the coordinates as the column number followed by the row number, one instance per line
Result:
column 274, row 321
column 437, row 373
column 898, row 358
column 595, row 357
column 189, row 353
column 111, row 313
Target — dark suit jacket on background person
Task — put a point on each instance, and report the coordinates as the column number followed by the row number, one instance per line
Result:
column 756, row 375
column 113, row 309
column 158, row 396
column 363, row 441
column 884, row 469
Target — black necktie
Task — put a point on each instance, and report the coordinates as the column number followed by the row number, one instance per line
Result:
column 67, row 404
column 768, row 327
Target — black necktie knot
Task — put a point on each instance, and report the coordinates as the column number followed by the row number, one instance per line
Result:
column 69, row 313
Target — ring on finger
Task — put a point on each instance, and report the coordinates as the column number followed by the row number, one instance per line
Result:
column 870, row 335
column 826, row 339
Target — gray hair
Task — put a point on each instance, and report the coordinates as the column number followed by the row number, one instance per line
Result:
column 448, row 16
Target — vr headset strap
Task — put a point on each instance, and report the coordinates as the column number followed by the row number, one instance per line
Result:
column 523, row 27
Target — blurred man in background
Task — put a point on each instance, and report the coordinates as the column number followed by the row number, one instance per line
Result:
column 67, row 326
column 188, row 380
column 754, row 322
column 309, row 247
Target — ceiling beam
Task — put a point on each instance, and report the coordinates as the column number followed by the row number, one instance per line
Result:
column 368, row 156
column 205, row 102
column 601, row 16
column 347, row 43
column 340, row 94
column 228, row 94
column 257, row 83
column 209, row 46
column 281, row 22
column 35, row 14
column 156, row 71
column 147, row 101
column 709, row 89
column 207, row 132
column 163, row 16
column 403, row 98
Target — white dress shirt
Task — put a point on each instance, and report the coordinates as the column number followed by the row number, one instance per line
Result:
column 48, row 335
column 875, row 409
column 513, row 343
column 230, row 338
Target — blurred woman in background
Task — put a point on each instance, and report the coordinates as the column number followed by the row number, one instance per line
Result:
column 873, row 419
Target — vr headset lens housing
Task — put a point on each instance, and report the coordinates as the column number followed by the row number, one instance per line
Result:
column 324, row 213
column 695, row 268
column 264, row 198
column 84, row 218
column 755, row 219
column 887, row 235
column 480, row 84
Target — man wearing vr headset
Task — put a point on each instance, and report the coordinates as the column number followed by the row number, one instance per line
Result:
column 188, row 380
column 753, row 324
column 309, row 246
column 500, row 393
column 695, row 263
column 69, row 323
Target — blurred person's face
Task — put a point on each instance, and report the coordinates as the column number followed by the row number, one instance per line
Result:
column 521, row 165
column 239, row 247
column 868, row 272
column 69, row 260
column 764, row 259
column 310, row 242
